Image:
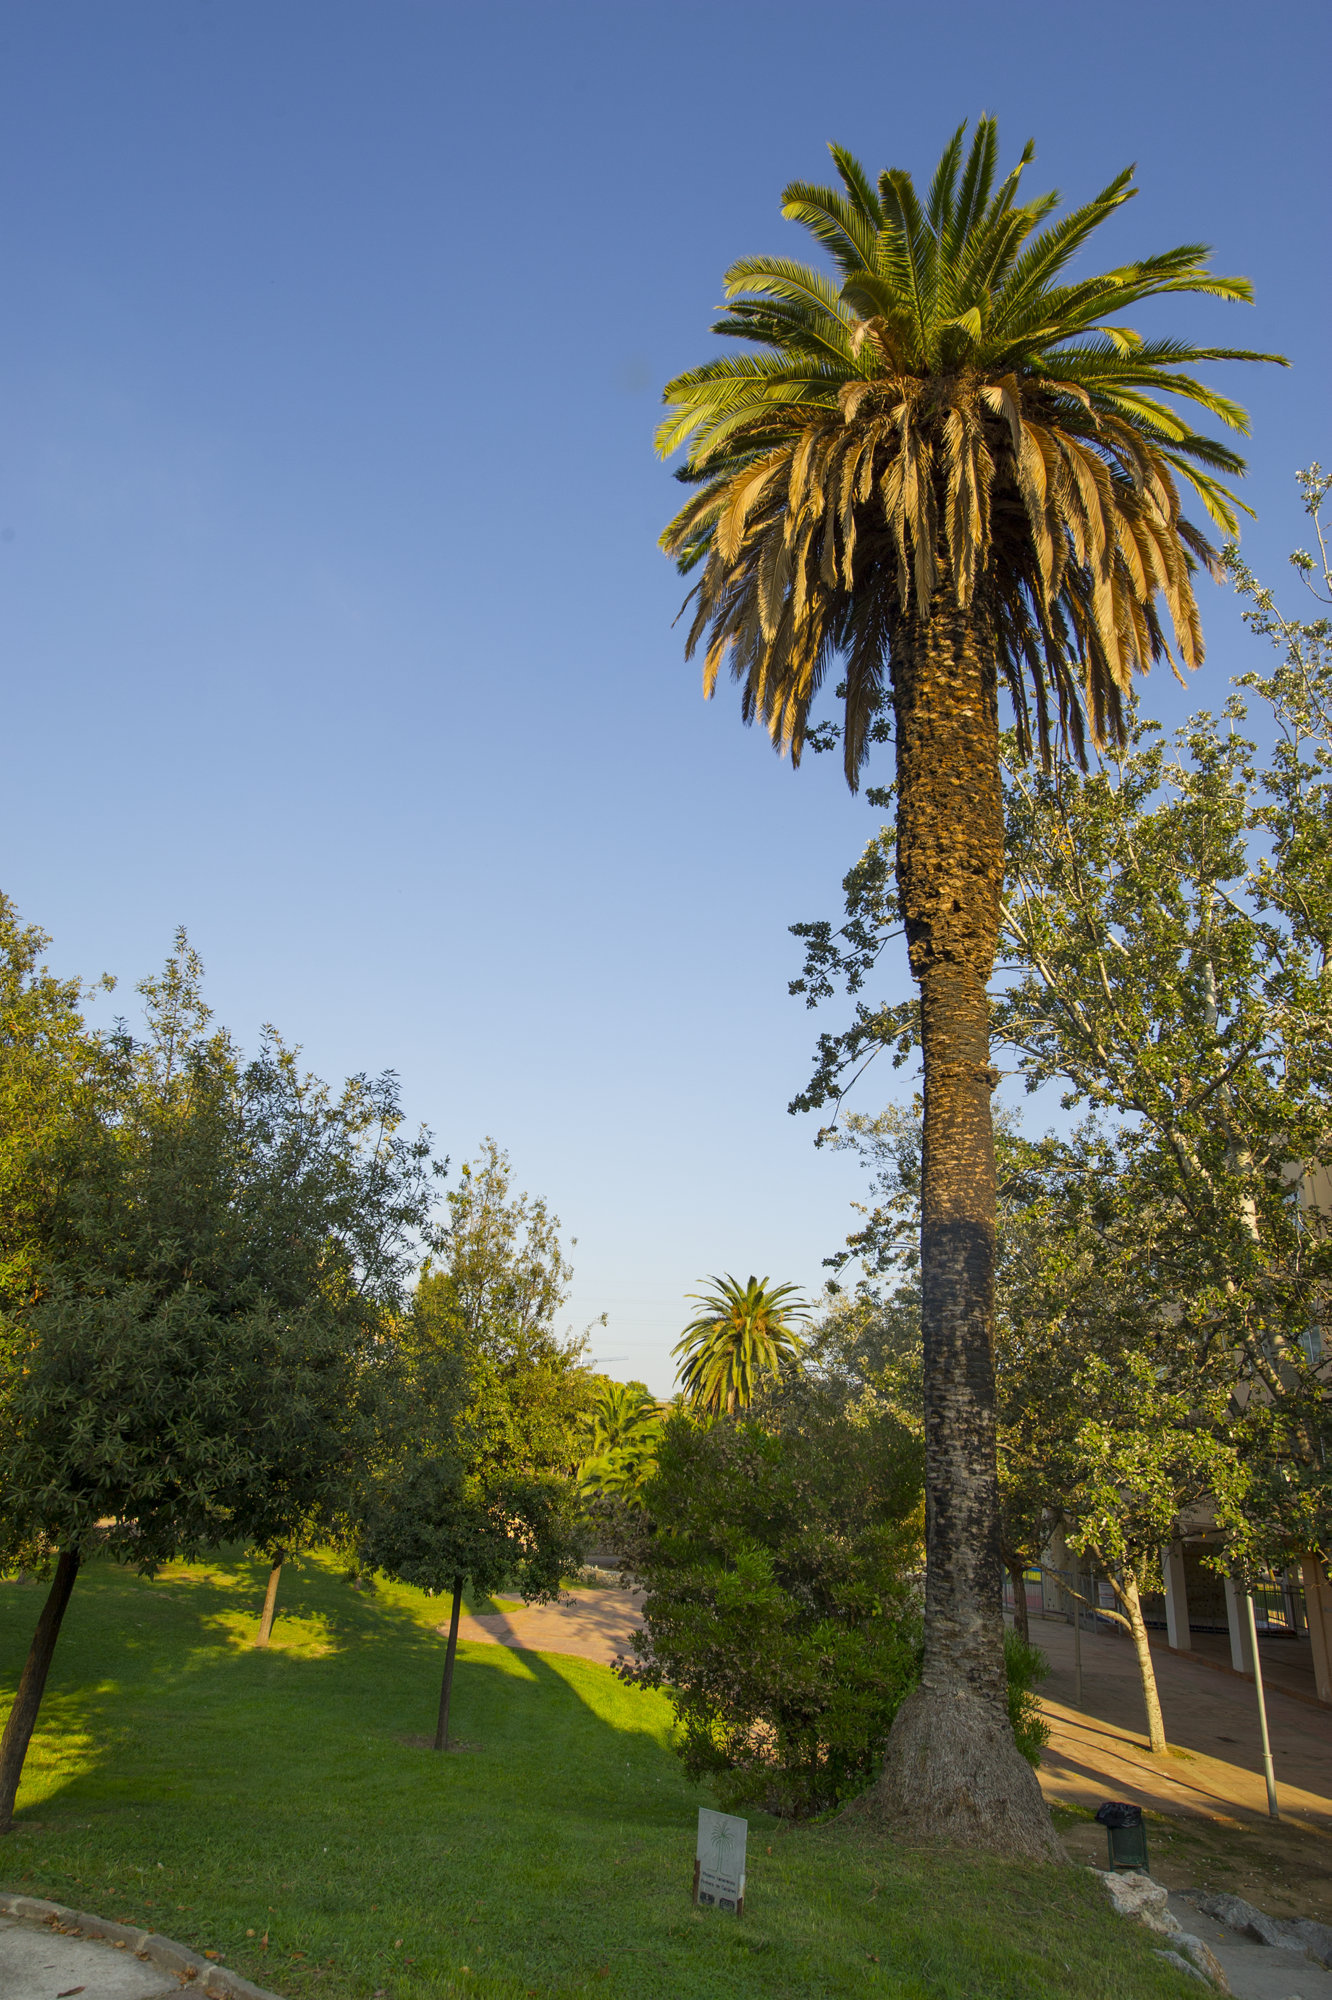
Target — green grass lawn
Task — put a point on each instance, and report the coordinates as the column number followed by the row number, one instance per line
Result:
column 274, row 1808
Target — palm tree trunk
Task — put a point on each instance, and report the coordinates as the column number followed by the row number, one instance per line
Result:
column 265, row 1632
column 952, row 1770
column 451, row 1653
column 32, row 1682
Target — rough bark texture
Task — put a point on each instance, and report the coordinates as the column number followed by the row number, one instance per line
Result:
column 1128, row 1596
column 952, row 1771
column 451, row 1653
column 32, row 1682
column 265, row 1632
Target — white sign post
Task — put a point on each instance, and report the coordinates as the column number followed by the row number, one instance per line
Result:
column 719, row 1861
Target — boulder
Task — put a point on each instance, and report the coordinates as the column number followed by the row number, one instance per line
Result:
column 1237, row 1915
column 1203, row 1958
column 1182, row 1965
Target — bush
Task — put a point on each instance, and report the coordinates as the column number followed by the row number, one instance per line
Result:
column 1026, row 1664
column 781, row 1557
column 779, row 1554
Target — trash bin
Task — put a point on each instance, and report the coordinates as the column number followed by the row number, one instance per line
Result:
column 1125, row 1834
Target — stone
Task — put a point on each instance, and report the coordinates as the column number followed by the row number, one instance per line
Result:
column 1316, row 1938
column 1204, row 1958
column 1237, row 1915
column 1136, row 1896
column 1181, row 1965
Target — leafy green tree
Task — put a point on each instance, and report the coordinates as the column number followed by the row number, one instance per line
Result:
column 744, row 1334
column 776, row 1552
column 475, row 1478
column 946, row 466
column 198, row 1290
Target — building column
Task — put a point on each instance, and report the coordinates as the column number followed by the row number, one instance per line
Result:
column 1318, row 1611
column 1176, row 1598
column 1240, row 1657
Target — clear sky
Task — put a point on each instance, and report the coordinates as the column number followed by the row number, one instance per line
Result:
column 334, row 625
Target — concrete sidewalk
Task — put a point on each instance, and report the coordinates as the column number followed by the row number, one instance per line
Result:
column 40, row 1964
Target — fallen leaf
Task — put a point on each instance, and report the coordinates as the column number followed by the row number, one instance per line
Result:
column 69, row 1992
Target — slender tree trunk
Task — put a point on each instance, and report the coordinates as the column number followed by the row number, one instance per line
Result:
column 446, row 1686
column 265, row 1632
column 1017, row 1571
column 1127, row 1593
column 952, row 1770
column 32, row 1682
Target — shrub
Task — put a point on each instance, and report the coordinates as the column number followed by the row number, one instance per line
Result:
column 781, row 1557
column 779, row 1554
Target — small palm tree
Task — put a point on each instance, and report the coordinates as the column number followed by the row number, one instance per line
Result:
column 623, row 1433
column 946, row 466
column 743, row 1333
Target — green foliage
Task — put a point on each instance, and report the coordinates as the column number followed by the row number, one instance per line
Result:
column 1026, row 1665
column 744, row 1334
column 777, row 1552
column 623, row 1431
column 473, row 1476
column 198, row 1289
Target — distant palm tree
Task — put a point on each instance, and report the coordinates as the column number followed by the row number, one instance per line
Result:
column 941, row 467
column 623, row 1433
column 742, row 1334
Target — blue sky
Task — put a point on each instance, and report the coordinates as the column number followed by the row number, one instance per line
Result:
column 334, row 625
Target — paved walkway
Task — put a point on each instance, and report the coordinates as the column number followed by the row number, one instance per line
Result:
column 591, row 1624
column 1210, row 1715
column 39, row 1964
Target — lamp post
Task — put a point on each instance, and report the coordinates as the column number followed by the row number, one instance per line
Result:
column 1268, row 1772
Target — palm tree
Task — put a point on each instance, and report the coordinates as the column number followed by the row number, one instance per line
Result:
column 942, row 468
column 743, row 1333
column 623, row 1433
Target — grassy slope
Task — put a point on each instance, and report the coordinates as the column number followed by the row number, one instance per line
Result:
column 182, row 1780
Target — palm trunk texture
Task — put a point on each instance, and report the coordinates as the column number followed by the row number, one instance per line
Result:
column 32, row 1682
column 952, row 1770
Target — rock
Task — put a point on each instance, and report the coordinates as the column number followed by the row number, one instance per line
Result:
column 1181, row 1965
column 1237, row 1915
column 1204, row 1958
column 1314, row 1937
column 1137, row 1896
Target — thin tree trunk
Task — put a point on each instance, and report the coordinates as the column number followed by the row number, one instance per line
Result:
column 1017, row 1571
column 1127, row 1593
column 446, row 1686
column 32, row 1682
column 265, row 1632
column 952, row 1770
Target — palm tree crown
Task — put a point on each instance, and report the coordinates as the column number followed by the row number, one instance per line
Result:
column 743, row 1333
column 948, row 414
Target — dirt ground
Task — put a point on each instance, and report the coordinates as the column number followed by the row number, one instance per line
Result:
column 1205, row 1801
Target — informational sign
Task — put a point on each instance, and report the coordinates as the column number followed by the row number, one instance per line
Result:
column 719, row 1861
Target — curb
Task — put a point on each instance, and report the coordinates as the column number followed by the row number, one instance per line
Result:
column 195, row 1973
